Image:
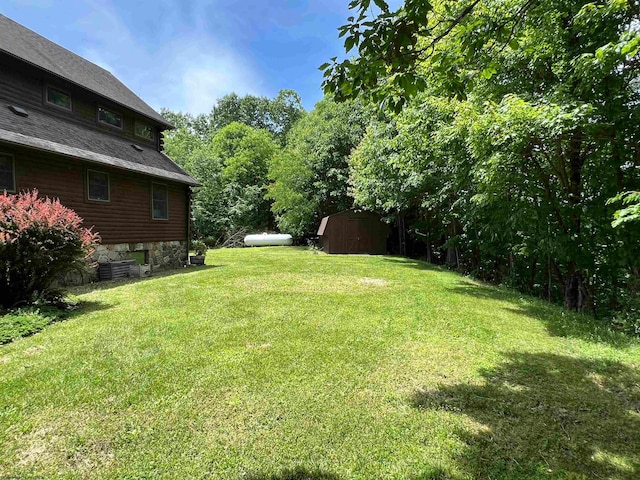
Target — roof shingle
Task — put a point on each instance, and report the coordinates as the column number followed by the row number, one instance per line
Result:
column 73, row 140
column 30, row 47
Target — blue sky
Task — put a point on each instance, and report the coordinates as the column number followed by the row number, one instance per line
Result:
column 183, row 55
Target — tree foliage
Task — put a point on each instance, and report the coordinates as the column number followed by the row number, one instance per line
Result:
column 459, row 39
column 290, row 178
column 246, row 154
column 229, row 151
column 522, row 124
column 631, row 210
column 233, row 171
column 309, row 180
column 190, row 134
column 275, row 115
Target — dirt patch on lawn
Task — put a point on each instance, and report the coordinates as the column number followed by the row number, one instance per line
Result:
column 309, row 283
column 374, row 282
column 39, row 447
column 34, row 350
column 68, row 446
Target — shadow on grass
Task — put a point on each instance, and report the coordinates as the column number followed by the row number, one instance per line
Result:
column 434, row 473
column 109, row 284
column 411, row 263
column 545, row 415
column 558, row 321
column 87, row 306
column 563, row 323
column 299, row 473
column 488, row 292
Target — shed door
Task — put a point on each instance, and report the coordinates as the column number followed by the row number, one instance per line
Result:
column 353, row 236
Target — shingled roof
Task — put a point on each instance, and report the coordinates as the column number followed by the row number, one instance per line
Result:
column 30, row 47
column 70, row 139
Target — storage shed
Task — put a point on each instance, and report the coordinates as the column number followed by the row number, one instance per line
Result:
column 354, row 232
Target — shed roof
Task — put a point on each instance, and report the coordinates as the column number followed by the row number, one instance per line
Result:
column 323, row 226
column 25, row 44
column 349, row 212
column 67, row 138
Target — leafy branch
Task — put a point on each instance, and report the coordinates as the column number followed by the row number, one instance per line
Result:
column 631, row 212
column 388, row 50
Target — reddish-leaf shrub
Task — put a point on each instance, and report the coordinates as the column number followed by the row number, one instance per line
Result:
column 40, row 239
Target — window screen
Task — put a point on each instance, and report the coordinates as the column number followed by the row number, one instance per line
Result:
column 7, row 174
column 160, row 202
column 109, row 117
column 98, row 186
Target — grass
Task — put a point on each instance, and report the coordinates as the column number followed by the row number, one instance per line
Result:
column 279, row 363
column 138, row 256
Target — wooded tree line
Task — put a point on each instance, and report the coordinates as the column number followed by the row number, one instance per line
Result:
column 502, row 134
column 266, row 164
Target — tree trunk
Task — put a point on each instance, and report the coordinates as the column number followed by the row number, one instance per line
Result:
column 575, row 294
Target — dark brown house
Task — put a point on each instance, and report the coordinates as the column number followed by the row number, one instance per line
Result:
column 73, row 131
column 354, row 232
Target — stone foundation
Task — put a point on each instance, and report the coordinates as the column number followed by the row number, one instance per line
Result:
column 160, row 255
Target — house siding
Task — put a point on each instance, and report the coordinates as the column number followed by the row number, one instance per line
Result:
column 25, row 86
column 53, row 148
column 126, row 218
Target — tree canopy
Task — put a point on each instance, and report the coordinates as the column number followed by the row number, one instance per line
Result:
column 276, row 115
column 309, row 180
column 230, row 151
column 461, row 39
column 505, row 127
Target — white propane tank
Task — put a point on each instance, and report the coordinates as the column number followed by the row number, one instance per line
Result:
column 268, row 239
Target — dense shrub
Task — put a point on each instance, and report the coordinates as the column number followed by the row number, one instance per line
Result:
column 23, row 322
column 40, row 239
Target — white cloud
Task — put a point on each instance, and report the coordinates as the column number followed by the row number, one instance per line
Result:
column 192, row 79
column 202, row 85
column 179, row 68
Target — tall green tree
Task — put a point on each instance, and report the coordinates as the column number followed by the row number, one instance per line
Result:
column 414, row 167
column 232, row 167
column 229, row 151
column 294, row 208
column 547, row 124
column 244, row 155
column 309, row 181
column 276, row 115
column 190, row 133
column 210, row 210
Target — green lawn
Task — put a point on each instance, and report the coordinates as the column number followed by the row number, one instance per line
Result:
column 281, row 363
